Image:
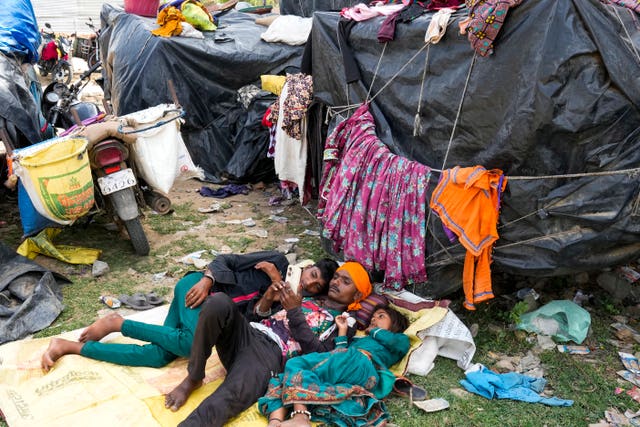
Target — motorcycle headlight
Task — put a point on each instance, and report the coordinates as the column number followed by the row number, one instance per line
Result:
column 52, row 97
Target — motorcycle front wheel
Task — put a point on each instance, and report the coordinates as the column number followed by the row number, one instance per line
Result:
column 93, row 59
column 62, row 73
column 137, row 236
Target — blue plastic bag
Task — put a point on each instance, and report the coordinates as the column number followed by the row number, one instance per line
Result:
column 19, row 32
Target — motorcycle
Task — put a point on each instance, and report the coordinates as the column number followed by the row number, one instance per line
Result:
column 117, row 189
column 54, row 56
column 94, row 51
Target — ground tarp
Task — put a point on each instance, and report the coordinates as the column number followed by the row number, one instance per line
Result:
column 30, row 296
column 560, row 95
column 206, row 74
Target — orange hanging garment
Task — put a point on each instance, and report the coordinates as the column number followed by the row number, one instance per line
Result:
column 467, row 201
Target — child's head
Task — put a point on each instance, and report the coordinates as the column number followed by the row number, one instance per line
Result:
column 385, row 317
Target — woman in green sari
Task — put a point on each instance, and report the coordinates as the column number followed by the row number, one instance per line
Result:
column 342, row 387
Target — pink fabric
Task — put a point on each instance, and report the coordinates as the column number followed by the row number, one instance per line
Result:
column 372, row 202
column 362, row 12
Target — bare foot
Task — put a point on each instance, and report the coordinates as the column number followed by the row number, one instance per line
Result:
column 176, row 397
column 298, row 420
column 102, row 327
column 58, row 347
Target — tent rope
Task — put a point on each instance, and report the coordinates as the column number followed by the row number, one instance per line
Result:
column 375, row 72
column 417, row 123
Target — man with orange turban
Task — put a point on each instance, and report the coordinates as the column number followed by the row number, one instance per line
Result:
column 253, row 352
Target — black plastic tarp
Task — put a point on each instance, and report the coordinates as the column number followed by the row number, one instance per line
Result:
column 30, row 296
column 560, row 95
column 205, row 72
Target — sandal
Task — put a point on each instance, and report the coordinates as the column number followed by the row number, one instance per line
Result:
column 404, row 387
column 154, row 299
column 136, row 301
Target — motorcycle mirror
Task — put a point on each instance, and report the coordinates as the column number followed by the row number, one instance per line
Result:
column 46, row 24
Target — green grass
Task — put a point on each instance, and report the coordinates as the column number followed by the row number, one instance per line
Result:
column 183, row 217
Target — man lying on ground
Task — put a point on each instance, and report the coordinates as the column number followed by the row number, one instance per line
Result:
column 254, row 352
column 245, row 278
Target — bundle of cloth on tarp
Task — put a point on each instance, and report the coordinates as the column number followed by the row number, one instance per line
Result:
column 207, row 74
column 551, row 100
column 30, row 296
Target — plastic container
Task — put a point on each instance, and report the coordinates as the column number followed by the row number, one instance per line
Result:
column 57, row 177
column 142, row 7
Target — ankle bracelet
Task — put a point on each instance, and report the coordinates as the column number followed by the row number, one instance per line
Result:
column 275, row 419
column 300, row 411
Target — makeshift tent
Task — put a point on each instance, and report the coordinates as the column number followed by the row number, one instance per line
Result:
column 19, row 40
column 560, row 95
column 206, row 74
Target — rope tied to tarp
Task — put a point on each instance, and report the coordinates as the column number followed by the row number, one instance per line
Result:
column 155, row 125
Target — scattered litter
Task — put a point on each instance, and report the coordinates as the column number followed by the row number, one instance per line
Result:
column 310, row 233
column 279, row 219
column 545, row 342
column 259, row 232
column 111, row 302
column 562, row 319
column 629, row 273
column 99, row 268
column 634, row 393
column 285, row 248
column 226, row 250
column 275, row 200
column 215, row 207
column 248, row 222
column 630, row 362
column 159, row 276
column 277, row 211
column 613, row 416
column 630, row 376
column 618, row 390
column 625, row 332
column 306, row 222
column 292, row 240
column 574, row 349
column 131, row 272
column 432, row 405
column 527, row 292
column 195, row 258
column 580, row 297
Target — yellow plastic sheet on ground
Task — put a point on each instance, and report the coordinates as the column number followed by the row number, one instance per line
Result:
column 82, row 391
column 43, row 244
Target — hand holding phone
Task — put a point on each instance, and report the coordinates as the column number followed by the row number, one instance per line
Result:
column 293, row 277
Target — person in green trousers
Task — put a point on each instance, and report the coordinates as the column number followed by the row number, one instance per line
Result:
column 246, row 278
column 165, row 342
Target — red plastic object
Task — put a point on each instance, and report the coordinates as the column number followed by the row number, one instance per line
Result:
column 142, row 7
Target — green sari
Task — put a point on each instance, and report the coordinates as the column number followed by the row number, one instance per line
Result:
column 342, row 387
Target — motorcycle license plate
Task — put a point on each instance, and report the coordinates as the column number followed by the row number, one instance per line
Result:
column 116, row 181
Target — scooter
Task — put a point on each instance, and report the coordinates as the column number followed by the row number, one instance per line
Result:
column 54, row 56
column 117, row 189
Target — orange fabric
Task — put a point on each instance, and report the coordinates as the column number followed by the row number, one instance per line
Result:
column 360, row 278
column 466, row 199
column 170, row 21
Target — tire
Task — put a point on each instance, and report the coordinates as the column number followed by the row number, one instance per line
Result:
column 62, row 72
column 137, row 236
column 93, row 59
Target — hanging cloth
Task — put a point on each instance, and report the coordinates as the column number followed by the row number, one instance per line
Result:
column 373, row 202
column 467, row 201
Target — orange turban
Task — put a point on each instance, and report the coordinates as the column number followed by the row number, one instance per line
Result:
column 360, row 278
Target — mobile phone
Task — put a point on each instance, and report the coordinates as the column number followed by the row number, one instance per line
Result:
column 293, row 277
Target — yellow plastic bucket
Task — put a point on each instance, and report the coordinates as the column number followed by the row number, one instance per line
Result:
column 57, row 177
